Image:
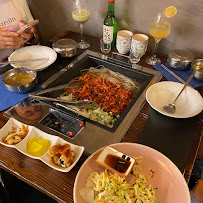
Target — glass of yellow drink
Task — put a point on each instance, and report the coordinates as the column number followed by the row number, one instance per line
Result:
column 81, row 15
column 159, row 28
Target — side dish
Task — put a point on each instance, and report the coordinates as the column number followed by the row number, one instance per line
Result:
column 16, row 135
column 62, row 155
column 37, row 146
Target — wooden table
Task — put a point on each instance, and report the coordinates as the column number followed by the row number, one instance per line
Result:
column 59, row 185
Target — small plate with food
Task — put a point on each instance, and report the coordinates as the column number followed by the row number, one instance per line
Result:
column 153, row 178
column 13, row 132
column 63, row 155
column 36, row 144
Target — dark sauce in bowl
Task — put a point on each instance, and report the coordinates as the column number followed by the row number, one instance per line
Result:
column 117, row 163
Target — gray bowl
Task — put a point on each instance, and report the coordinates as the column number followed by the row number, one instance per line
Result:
column 65, row 47
column 21, row 88
column 195, row 67
column 180, row 59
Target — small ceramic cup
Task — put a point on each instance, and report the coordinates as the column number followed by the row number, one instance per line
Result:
column 138, row 47
column 123, row 41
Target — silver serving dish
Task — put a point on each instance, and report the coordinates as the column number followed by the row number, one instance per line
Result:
column 20, row 88
column 197, row 67
column 180, row 59
column 65, row 47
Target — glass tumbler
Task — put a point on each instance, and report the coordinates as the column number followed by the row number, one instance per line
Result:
column 105, row 47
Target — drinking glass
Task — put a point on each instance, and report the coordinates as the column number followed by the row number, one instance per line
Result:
column 81, row 14
column 105, row 47
column 159, row 29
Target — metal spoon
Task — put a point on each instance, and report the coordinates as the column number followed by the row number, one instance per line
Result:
column 170, row 108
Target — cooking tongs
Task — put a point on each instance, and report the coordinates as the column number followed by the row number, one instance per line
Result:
column 80, row 103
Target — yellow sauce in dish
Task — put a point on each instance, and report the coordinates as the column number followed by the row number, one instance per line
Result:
column 23, row 78
column 199, row 68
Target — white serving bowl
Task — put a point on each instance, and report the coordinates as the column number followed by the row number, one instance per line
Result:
column 189, row 104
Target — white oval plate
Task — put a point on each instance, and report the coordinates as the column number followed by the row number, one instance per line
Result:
column 33, row 52
column 189, row 104
column 171, row 184
column 35, row 132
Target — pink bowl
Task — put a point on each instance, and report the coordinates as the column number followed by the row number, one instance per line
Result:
column 171, row 184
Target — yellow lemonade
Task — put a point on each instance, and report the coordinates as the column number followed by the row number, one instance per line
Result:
column 160, row 30
column 81, row 16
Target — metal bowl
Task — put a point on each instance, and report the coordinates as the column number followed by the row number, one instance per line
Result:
column 19, row 88
column 197, row 67
column 65, row 47
column 180, row 59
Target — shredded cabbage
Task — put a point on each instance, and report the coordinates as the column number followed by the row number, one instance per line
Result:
column 114, row 188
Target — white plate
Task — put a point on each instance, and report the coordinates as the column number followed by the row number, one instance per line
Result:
column 35, row 132
column 171, row 184
column 33, row 52
column 189, row 104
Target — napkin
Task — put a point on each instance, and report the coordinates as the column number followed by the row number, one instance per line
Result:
column 183, row 74
column 8, row 98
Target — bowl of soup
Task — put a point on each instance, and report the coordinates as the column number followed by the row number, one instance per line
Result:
column 20, row 79
column 197, row 67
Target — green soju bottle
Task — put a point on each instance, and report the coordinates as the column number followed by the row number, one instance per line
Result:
column 110, row 25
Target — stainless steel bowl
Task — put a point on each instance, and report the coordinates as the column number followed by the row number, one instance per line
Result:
column 21, row 88
column 180, row 59
column 65, row 47
column 197, row 67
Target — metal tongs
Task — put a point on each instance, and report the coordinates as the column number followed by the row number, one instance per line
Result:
column 80, row 103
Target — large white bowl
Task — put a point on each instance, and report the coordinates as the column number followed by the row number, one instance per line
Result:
column 33, row 52
column 189, row 104
column 172, row 187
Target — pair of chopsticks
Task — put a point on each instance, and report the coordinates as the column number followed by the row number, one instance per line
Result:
column 172, row 73
column 24, row 61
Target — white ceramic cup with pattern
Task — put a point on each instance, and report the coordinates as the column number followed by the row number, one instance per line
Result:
column 138, row 47
column 123, row 41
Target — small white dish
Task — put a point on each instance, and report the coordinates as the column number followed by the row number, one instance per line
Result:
column 8, row 127
column 189, row 104
column 78, row 153
column 35, row 132
column 33, row 52
column 111, row 159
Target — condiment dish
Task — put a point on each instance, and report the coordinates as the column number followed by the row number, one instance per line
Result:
column 26, row 77
column 116, row 161
column 197, row 67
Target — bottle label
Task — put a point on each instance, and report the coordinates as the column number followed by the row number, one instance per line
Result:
column 107, row 34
